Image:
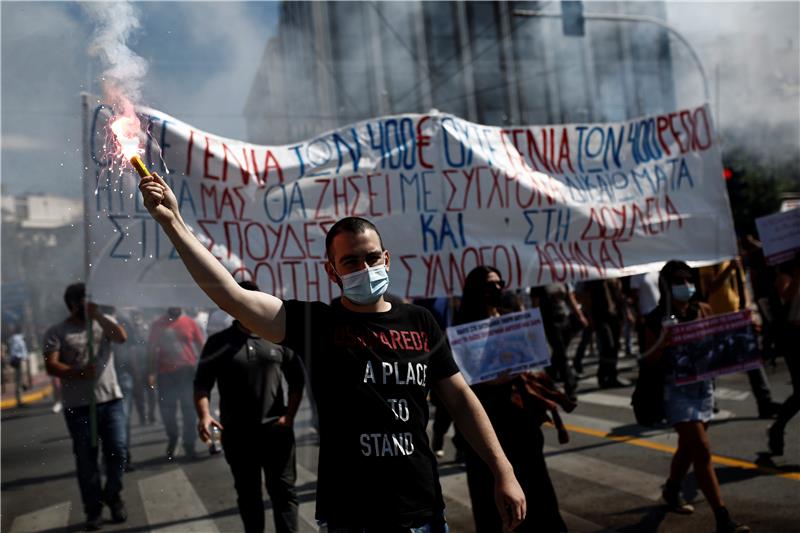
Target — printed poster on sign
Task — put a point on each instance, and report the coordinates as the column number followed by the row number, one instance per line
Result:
column 780, row 235
column 715, row 346
column 507, row 344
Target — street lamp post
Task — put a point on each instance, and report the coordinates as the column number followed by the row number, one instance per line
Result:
column 630, row 18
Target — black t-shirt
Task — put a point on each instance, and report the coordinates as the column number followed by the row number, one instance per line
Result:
column 248, row 370
column 370, row 375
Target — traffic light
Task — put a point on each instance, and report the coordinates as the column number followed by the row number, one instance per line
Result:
column 572, row 18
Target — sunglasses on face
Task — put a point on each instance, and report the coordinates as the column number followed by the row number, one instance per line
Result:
column 499, row 284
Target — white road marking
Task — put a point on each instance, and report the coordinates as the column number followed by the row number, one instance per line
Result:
column 49, row 518
column 171, row 504
column 606, row 399
column 576, row 524
column 724, row 393
column 307, row 510
column 454, row 487
column 604, row 473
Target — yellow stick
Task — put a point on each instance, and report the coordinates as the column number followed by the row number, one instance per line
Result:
column 139, row 166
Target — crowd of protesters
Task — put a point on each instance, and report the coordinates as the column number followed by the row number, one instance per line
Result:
column 122, row 364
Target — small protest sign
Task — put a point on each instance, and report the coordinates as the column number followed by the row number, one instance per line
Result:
column 780, row 235
column 507, row 344
column 711, row 347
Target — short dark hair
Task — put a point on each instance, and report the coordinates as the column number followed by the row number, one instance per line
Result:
column 349, row 225
column 249, row 285
column 74, row 294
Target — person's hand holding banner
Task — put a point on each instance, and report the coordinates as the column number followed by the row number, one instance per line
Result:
column 709, row 347
column 498, row 347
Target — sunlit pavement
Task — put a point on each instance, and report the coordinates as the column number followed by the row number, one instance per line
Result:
column 607, row 478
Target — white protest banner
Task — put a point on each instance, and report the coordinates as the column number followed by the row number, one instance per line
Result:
column 501, row 345
column 542, row 204
column 714, row 346
column 780, row 235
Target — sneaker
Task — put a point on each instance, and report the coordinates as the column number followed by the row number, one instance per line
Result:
column 732, row 527
column 775, row 441
column 439, row 453
column 93, row 523
column 119, row 513
column 57, row 407
column 613, row 383
column 171, row 445
column 676, row 503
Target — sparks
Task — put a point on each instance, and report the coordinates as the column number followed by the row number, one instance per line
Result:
column 126, row 131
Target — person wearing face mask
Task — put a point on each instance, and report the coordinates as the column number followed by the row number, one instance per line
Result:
column 689, row 408
column 371, row 366
column 174, row 345
column 517, row 428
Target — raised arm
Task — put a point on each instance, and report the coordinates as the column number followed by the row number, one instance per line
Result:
column 257, row 311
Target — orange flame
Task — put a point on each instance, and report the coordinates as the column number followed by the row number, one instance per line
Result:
column 126, row 130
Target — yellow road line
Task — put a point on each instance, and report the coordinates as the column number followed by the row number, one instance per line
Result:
column 28, row 398
column 717, row 459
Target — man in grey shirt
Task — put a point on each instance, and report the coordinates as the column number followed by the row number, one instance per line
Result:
column 66, row 356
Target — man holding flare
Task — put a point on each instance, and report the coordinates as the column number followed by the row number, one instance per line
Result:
column 371, row 366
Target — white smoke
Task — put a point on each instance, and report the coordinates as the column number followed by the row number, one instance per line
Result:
column 123, row 69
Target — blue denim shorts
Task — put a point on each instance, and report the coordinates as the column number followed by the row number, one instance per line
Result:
column 693, row 402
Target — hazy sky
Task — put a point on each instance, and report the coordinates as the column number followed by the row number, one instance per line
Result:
column 203, row 56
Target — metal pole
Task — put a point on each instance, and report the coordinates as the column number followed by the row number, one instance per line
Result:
column 87, row 262
column 632, row 18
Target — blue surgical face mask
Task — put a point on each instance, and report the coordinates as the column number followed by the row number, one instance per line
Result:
column 683, row 292
column 366, row 286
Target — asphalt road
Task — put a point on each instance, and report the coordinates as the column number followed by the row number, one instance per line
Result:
column 607, row 478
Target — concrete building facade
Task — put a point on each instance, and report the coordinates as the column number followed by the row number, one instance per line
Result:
column 334, row 63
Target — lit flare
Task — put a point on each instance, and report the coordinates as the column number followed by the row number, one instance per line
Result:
column 126, row 131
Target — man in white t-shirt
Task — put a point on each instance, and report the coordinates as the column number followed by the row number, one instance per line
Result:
column 644, row 289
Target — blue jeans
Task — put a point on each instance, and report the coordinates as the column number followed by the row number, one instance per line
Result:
column 126, row 383
column 111, row 432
